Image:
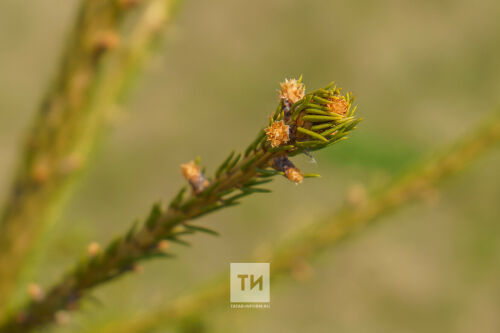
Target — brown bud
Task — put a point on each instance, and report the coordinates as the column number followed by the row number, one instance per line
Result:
column 193, row 175
column 35, row 292
column 294, row 175
column 163, row 246
column 93, row 249
column 282, row 163
column 278, row 133
column 40, row 171
column 105, row 40
column 292, row 90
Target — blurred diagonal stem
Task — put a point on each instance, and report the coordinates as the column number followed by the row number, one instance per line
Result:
column 242, row 173
column 100, row 57
column 314, row 239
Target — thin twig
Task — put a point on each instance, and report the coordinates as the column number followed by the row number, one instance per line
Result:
column 241, row 175
column 316, row 238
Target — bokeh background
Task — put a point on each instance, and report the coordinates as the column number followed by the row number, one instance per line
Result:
column 424, row 73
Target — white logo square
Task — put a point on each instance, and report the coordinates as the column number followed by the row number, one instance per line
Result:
column 250, row 283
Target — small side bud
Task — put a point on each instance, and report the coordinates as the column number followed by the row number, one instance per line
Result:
column 193, row 175
column 278, row 133
column 40, row 172
column 163, row 246
column 93, row 249
column 105, row 40
column 35, row 292
column 294, row 175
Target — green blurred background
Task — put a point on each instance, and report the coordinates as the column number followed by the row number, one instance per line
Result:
column 424, row 73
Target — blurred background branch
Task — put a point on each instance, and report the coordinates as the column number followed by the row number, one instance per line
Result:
column 290, row 258
column 104, row 52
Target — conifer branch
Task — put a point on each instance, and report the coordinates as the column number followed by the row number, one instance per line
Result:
column 95, row 68
column 238, row 176
column 316, row 238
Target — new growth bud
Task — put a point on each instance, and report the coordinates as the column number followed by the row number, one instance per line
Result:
column 292, row 90
column 278, row 133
